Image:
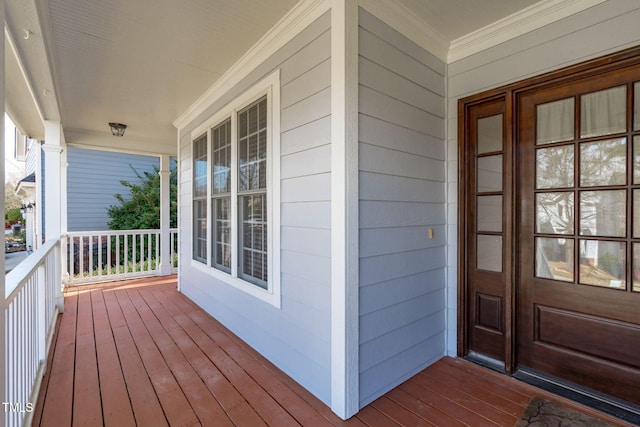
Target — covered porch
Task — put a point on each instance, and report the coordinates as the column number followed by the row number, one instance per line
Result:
column 140, row 353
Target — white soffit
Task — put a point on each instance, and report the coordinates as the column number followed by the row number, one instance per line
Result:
column 296, row 20
column 531, row 18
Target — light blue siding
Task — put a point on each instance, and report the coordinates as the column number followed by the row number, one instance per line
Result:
column 296, row 338
column 93, row 178
column 602, row 29
column 402, row 178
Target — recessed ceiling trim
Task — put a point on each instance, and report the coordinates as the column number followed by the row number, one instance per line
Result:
column 297, row 19
column 14, row 50
column 401, row 19
column 531, row 18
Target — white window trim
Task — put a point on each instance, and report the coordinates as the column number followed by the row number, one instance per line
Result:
column 269, row 86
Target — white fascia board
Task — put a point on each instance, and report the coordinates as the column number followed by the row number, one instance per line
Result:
column 529, row 19
column 401, row 19
column 296, row 20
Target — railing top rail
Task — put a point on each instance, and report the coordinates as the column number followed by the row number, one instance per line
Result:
column 25, row 269
column 115, row 232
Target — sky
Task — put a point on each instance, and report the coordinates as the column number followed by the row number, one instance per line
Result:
column 13, row 169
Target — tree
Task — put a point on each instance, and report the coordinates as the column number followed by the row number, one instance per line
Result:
column 11, row 199
column 141, row 210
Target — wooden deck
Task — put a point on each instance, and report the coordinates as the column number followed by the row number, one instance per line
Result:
column 140, row 353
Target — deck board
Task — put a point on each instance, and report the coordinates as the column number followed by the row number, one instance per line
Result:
column 139, row 353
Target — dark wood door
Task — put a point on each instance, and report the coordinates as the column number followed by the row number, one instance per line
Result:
column 578, row 309
column 486, row 233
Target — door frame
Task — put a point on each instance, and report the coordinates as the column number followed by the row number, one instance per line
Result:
column 510, row 94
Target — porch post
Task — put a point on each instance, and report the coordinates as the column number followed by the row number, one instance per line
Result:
column 165, row 216
column 3, row 349
column 345, row 397
column 55, row 192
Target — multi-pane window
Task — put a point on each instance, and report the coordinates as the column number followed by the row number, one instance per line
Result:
column 221, row 195
column 200, row 199
column 252, row 192
column 237, row 167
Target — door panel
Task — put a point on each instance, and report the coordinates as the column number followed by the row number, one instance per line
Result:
column 486, row 232
column 578, row 309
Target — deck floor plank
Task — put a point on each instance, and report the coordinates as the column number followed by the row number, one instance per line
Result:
column 424, row 410
column 204, row 404
column 140, row 353
column 268, row 408
column 174, row 403
column 87, row 405
column 57, row 407
column 238, row 409
column 116, row 406
column 144, row 401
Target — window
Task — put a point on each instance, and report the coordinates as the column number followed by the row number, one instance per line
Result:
column 236, row 163
column 200, row 199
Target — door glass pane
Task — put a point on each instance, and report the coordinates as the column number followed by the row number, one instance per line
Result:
column 636, row 214
column 636, row 159
column 489, row 214
column 636, row 108
column 490, row 134
column 603, row 213
column 555, row 121
column 554, row 167
column 636, row 267
column 490, row 173
column 602, row 263
column 603, row 112
column 489, row 253
column 554, row 259
column 603, row 162
column 554, row 213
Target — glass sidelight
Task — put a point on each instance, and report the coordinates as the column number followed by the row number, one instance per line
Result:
column 489, row 197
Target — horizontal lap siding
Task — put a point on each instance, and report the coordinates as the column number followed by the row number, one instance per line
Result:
column 602, row 29
column 93, row 178
column 295, row 338
column 402, row 194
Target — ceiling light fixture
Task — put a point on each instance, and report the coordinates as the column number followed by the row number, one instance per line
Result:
column 117, row 129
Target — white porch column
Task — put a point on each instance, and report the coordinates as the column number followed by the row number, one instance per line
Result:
column 55, row 189
column 165, row 215
column 53, row 192
column 345, row 399
column 3, row 349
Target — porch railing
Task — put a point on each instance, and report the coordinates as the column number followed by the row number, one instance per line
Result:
column 100, row 256
column 33, row 292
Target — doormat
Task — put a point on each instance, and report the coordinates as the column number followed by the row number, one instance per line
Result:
column 542, row 412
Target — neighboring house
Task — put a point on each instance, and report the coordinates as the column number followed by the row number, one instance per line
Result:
column 357, row 193
column 94, row 178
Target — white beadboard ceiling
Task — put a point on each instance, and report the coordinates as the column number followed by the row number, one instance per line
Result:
column 144, row 62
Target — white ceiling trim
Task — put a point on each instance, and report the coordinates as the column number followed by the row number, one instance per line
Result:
column 401, row 19
column 531, row 18
column 25, row 76
column 296, row 20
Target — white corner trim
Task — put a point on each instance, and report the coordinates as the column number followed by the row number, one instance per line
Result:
column 531, row 18
column 296, row 20
column 345, row 398
column 401, row 19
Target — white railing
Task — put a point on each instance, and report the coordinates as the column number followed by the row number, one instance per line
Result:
column 32, row 302
column 100, row 256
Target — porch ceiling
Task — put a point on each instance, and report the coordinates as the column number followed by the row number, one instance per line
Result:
column 143, row 63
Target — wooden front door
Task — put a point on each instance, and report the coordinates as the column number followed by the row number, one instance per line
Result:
column 549, row 227
column 578, row 306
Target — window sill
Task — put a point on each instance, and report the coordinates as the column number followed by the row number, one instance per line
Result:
column 266, row 295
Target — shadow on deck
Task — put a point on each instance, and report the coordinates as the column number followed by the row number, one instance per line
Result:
column 140, row 353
